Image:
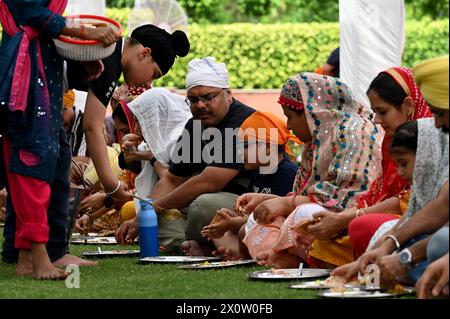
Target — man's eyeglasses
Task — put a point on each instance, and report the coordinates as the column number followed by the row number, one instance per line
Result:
column 207, row 99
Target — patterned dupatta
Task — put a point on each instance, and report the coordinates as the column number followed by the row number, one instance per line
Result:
column 345, row 153
column 389, row 184
column 431, row 168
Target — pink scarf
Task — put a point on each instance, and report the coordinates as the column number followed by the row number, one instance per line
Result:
column 22, row 71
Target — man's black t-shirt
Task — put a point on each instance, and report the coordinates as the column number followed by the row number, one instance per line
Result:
column 201, row 147
column 104, row 86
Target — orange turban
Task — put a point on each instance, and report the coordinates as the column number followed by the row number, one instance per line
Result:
column 267, row 127
column 69, row 99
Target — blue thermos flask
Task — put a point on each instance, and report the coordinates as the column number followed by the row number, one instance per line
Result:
column 148, row 230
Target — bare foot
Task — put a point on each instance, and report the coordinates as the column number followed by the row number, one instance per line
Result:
column 73, row 260
column 42, row 267
column 24, row 265
column 228, row 254
column 193, row 248
column 49, row 273
column 278, row 260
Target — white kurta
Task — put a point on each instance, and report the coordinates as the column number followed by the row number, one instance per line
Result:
column 372, row 40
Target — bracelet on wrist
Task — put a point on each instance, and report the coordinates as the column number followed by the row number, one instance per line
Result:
column 153, row 161
column 91, row 218
column 359, row 212
column 115, row 190
column 293, row 203
column 395, row 240
column 81, row 35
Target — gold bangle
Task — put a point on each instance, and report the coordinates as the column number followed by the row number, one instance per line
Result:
column 360, row 212
column 82, row 32
column 293, row 203
column 91, row 218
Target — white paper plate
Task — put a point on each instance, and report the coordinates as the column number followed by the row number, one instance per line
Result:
column 361, row 293
column 317, row 284
column 220, row 264
column 177, row 259
column 288, row 274
column 78, row 235
column 88, row 240
column 111, row 253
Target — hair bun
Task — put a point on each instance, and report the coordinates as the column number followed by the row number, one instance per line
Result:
column 181, row 43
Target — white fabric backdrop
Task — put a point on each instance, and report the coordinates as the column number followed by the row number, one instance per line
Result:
column 372, row 40
column 97, row 7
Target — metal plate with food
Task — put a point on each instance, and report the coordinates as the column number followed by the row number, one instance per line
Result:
column 353, row 293
column 329, row 283
column 220, row 264
column 110, row 253
column 90, row 240
column 177, row 259
column 288, row 274
column 88, row 235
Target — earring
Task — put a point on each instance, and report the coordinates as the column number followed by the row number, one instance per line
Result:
column 408, row 114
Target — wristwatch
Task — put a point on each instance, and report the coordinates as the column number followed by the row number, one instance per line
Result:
column 406, row 258
column 153, row 161
column 108, row 202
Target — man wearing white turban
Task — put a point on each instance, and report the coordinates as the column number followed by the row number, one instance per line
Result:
column 206, row 173
column 206, row 72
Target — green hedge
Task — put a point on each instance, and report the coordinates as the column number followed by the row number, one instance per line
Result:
column 264, row 56
column 259, row 56
column 233, row 11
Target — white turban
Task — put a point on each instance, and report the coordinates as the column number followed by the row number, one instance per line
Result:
column 206, row 72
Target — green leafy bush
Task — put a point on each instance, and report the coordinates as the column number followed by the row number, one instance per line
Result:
column 264, row 56
column 266, row 11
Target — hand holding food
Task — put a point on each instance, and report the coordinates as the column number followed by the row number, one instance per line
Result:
column 93, row 202
column 248, row 202
column 98, row 32
column 84, row 224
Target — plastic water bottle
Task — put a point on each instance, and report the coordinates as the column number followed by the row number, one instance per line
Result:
column 148, row 230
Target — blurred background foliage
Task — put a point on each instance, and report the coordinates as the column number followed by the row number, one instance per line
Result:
column 263, row 56
column 270, row 11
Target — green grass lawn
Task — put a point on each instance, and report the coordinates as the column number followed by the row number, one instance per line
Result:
column 125, row 278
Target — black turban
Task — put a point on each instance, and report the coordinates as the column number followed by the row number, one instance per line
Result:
column 165, row 46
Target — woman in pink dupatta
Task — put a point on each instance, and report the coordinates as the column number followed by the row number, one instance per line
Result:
column 31, row 88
